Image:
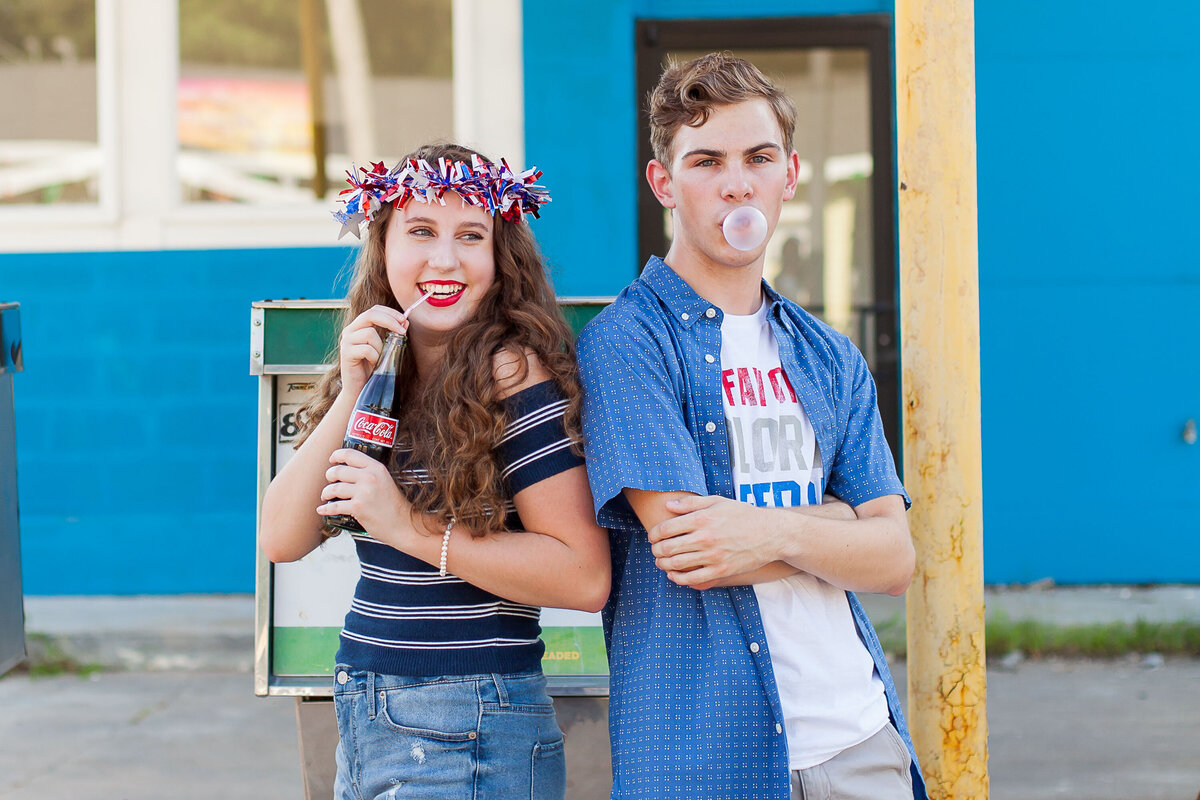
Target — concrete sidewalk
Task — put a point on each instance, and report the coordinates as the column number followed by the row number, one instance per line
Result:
column 183, row 720
column 160, row 632
column 1098, row 730
column 1071, row 605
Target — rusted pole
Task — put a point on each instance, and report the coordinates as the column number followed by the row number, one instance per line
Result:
column 939, row 297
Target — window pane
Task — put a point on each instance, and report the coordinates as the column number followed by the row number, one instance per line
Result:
column 49, row 151
column 246, row 104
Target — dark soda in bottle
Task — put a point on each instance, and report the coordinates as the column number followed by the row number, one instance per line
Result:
column 372, row 427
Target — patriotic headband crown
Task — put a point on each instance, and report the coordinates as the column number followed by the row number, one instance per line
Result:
column 492, row 187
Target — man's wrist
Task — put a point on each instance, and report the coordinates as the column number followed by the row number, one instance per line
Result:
column 788, row 540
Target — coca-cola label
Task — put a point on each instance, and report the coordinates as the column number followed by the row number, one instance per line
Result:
column 373, row 429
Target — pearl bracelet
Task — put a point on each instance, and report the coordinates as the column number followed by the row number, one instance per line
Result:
column 445, row 547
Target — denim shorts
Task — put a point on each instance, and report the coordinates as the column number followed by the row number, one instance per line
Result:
column 465, row 737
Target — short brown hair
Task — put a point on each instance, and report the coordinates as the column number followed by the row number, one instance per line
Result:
column 687, row 93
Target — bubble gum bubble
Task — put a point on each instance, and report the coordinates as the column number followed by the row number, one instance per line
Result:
column 745, row 228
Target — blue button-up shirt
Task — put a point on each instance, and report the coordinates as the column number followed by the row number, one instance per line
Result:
column 695, row 711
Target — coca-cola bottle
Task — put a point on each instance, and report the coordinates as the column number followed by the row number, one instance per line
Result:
column 372, row 427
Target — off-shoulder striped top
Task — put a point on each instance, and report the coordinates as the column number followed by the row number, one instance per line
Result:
column 407, row 620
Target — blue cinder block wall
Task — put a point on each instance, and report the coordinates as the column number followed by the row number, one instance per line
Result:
column 1088, row 277
column 136, row 413
column 1089, row 285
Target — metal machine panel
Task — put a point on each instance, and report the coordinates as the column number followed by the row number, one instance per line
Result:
column 301, row 605
column 12, row 613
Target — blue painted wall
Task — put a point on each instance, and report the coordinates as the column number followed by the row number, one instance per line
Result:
column 136, row 413
column 1088, row 285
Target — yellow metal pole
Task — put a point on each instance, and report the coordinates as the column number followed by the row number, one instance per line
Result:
column 939, row 297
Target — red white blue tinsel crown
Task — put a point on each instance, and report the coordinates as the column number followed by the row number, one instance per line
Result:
column 490, row 186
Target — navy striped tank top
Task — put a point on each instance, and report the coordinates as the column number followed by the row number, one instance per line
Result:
column 407, row 620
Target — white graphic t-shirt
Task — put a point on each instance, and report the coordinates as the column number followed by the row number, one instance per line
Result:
column 831, row 697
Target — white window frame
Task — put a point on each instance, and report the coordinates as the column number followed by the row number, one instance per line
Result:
column 140, row 204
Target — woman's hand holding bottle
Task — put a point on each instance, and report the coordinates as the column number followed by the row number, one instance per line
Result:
column 363, row 488
column 361, row 345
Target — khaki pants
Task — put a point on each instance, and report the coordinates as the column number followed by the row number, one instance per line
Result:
column 876, row 769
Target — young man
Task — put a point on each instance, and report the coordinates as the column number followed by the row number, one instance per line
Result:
column 717, row 414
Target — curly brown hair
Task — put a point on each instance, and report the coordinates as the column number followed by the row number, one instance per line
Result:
column 453, row 419
column 687, row 93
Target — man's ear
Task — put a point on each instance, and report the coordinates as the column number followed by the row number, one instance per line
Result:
column 793, row 176
column 660, row 183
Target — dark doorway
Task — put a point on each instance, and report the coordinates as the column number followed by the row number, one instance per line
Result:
column 834, row 249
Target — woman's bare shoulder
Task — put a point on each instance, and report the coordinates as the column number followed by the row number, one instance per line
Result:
column 516, row 368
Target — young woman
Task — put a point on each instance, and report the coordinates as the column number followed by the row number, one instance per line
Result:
column 484, row 514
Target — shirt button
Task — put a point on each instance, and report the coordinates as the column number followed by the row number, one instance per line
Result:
column 778, row 728
column 710, row 427
column 684, row 316
column 754, row 647
column 708, row 357
column 342, row 677
column 712, row 312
